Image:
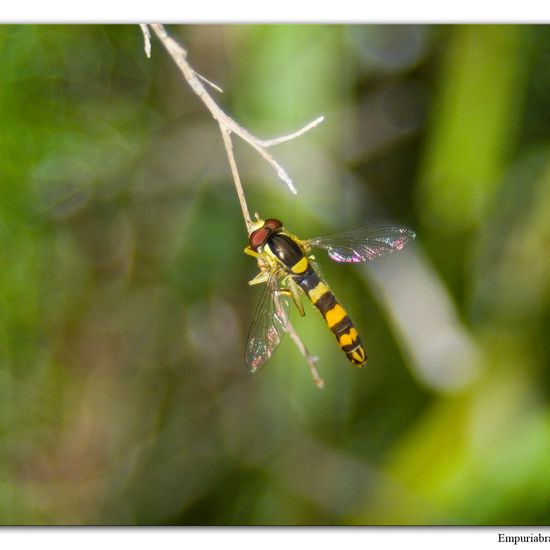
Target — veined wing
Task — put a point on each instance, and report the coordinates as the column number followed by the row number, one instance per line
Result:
column 268, row 326
column 364, row 244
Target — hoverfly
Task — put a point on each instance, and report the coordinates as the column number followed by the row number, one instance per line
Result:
column 288, row 269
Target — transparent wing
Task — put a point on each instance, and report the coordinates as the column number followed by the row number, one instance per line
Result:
column 364, row 244
column 268, row 326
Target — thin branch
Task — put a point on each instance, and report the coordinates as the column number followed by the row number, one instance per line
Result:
column 179, row 55
column 236, row 178
column 297, row 133
column 146, row 39
column 210, row 83
column 310, row 359
column 229, row 126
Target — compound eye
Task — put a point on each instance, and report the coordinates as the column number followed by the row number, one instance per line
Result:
column 259, row 237
column 273, row 224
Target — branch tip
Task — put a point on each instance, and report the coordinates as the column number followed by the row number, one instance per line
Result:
column 293, row 135
column 210, row 83
column 146, row 39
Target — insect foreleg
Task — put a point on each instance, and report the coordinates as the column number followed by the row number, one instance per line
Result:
column 250, row 252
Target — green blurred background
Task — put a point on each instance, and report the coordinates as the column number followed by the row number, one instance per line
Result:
column 124, row 304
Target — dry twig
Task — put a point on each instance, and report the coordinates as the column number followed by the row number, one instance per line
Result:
column 228, row 126
column 310, row 359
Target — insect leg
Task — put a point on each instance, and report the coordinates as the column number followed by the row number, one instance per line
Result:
column 295, row 293
column 262, row 277
column 250, row 252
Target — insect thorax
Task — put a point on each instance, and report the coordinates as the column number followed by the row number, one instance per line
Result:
column 286, row 249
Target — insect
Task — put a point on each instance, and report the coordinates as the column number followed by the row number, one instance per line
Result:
column 289, row 270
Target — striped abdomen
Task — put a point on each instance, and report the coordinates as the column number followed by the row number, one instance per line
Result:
column 335, row 315
column 289, row 253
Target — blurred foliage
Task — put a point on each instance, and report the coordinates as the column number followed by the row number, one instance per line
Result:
column 124, row 304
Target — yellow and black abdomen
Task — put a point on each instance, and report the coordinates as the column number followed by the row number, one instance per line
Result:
column 335, row 315
column 292, row 257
